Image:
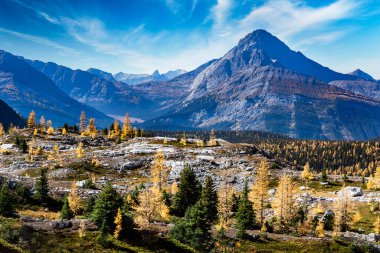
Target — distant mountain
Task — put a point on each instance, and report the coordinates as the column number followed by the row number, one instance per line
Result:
column 26, row 89
column 9, row 116
column 361, row 74
column 261, row 84
column 102, row 74
column 90, row 89
column 133, row 79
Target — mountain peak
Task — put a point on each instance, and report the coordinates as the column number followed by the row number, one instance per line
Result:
column 156, row 73
column 262, row 39
column 360, row 73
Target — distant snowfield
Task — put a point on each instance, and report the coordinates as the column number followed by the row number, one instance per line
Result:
column 121, row 118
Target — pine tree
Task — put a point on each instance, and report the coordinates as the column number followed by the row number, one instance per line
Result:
column 89, row 206
column 189, row 190
column 259, row 192
column 32, row 120
column 74, row 198
column 119, row 224
column 245, row 217
column 106, row 206
column 66, row 212
column 6, row 202
column 159, row 171
column 82, row 122
column 284, row 202
column 209, row 200
column 41, row 188
column 194, row 228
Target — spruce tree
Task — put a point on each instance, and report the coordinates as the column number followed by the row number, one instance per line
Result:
column 245, row 217
column 6, row 206
column 89, row 206
column 106, row 206
column 189, row 190
column 66, row 212
column 194, row 229
column 41, row 187
column 209, row 199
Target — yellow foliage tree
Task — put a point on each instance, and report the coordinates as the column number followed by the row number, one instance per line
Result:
column 74, row 198
column 212, row 142
column 35, row 131
column 91, row 128
column 183, row 140
column 225, row 204
column 159, row 171
column 82, row 122
column 174, row 188
column 259, row 193
column 376, row 225
column 119, row 223
column 32, row 120
column 306, row 174
column 284, row 202
column 320, row 230
column 42, row 123
column 342, row 208
column 79, row 150
column 371, row 183
column 50, row 130
column 2, row 132
column 49, row 123
column 64, row 131
column 127, row 129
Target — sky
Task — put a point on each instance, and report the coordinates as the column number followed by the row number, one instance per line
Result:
column 140, row 36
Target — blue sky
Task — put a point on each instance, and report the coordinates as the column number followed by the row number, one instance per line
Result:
column 139, row 36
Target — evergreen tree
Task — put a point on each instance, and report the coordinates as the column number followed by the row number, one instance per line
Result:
column 41, row 187
column 6, row 206
column 194, row 228
column 23, row 146
column 106, row 206
column 209, row 199
column 89, row 206
column 189, row 190
column 245, row 217
column 66, row 212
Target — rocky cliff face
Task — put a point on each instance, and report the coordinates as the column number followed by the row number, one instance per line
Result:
column 262, row 85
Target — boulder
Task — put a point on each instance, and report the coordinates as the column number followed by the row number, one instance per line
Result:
column 353, row 191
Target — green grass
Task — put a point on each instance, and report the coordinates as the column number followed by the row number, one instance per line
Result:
column 9, row 248
column 368, row 218
column 320, row 246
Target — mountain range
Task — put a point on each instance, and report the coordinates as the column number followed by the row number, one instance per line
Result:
column 25, row 89
column 260, row 84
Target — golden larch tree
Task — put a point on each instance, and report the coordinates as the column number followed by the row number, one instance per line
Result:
column 284, row 202
column 82, row 122
column 225, row 203
column 174, row 188
column 376, row 225
column 91, row 128
column 159, row 171
column 119, row 224
column 342, row 208
column 212, row 142
column 49, row 123
column 306, row 174
column 147, row 210
column 259, row 192
column 42, row 123
column 2, row 132
column 32, row 120
column 35, row 132
column 74, row 198
column 50, row 130
column 127, row 129
column 64, row 131
column 79, row 150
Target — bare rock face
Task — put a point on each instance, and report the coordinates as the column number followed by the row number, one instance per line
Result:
column 352, row 191
column 261, row 84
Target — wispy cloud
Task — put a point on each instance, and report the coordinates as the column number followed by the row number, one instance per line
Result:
column 38, row 40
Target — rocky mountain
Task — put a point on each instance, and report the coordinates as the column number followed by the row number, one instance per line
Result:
column 133, row 79
column 92, row 90
column 361, row 74
column 261, row 84
column 9, row 116
column 102, row 74
column 370, row 89
column 26, row 89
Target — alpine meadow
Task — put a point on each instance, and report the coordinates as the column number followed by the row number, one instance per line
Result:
column 218, row 126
